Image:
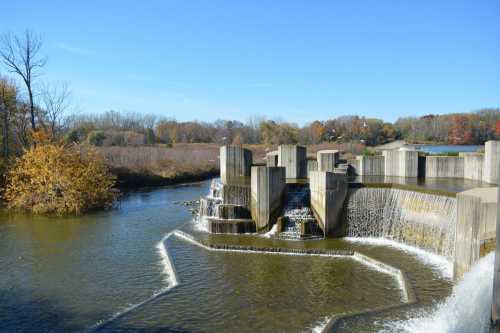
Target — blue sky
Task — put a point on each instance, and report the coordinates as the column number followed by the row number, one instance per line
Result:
column 290, row 60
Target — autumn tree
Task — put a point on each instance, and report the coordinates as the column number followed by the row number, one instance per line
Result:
column 460, row 132
column 59, row 179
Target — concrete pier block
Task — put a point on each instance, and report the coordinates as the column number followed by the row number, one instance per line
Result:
column 327, row 160
column 473, row 166
column 476, row 223
column 294, row 159
column 267, row 189
column 492, row 162
column 272, row 158
column 371, row 165
column 328, row 192
column 495, row 304
column 401, row 163
column 391, row 163
column 235, row 164
column 444, row 167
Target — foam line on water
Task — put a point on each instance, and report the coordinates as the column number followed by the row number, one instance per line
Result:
column 171, row 281
column 439, row 263
column 320, row 326
column 190, row 239
column 367, row 261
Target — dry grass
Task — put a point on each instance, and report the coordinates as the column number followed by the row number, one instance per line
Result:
column 161, row 161
column 185, row 160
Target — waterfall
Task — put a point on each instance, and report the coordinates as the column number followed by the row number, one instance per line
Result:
column 420, row 219
column 466, row 310
column 209, row 204
column 296, row 211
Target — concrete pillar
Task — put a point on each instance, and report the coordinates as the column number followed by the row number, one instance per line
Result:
column 492, row 162
column 235, row 164
column 267, row 188
column 401, row 163
column 328, row 192
column 476, row 224
column 327, row 160
column 371, row 165
column 272, row 158
column 408, row 163
column 495, row 304
column 294, row 159
column 473, row 165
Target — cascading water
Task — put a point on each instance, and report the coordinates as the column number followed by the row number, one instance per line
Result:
column 208, row 204
column 466, row 310
column 296, row 211
column 413, row 218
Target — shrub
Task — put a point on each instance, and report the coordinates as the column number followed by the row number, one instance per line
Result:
column 96, row 138
column 60, row 179
column 72, row 136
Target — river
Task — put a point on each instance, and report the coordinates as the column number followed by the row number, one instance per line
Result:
column 106, row 271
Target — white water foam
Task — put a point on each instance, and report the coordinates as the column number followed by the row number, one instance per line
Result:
column 319, row 326
column 439, row 263
column 467, row 310
column 272, row 232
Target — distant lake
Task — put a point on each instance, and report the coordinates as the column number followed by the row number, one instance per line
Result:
column 434, row 149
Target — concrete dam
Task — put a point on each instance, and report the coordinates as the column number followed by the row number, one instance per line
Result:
column 447, row 205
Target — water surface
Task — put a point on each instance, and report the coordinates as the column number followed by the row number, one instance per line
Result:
column 76, row 273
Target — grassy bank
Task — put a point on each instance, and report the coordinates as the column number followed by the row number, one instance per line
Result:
column 162, row 165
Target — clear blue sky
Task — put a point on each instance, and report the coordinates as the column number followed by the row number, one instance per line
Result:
column 293, row 60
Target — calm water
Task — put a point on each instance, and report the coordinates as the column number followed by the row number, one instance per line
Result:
column 75, row 274
column 436, row 149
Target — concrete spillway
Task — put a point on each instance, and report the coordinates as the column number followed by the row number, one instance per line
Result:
column 424, row 220
column 298, row 217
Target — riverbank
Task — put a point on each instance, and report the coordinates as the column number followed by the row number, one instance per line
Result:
column 127, row 179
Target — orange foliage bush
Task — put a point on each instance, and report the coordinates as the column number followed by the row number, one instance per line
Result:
column 60, row 179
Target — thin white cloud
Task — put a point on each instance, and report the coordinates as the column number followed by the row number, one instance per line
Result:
column 74, row 49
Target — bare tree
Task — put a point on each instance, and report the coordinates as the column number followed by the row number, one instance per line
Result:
column 20, row 55
column 56, row 101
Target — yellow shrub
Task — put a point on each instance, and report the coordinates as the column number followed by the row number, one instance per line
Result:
column 54, row 178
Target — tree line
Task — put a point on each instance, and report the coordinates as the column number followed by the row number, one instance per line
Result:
column 28, row 104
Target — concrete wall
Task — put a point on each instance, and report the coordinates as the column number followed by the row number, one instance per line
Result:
column 230, row 226
column 228, row 211
column 370, row 165
column 495, row 304
column 328, row 192
column 327, row 160
column 294, row 159
column 473, row 166
column 401, row 163
column 235, row 164
column 267, row 189
column 272, row 159
column 491, row 172
column 476, row 223
column 444, row 167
